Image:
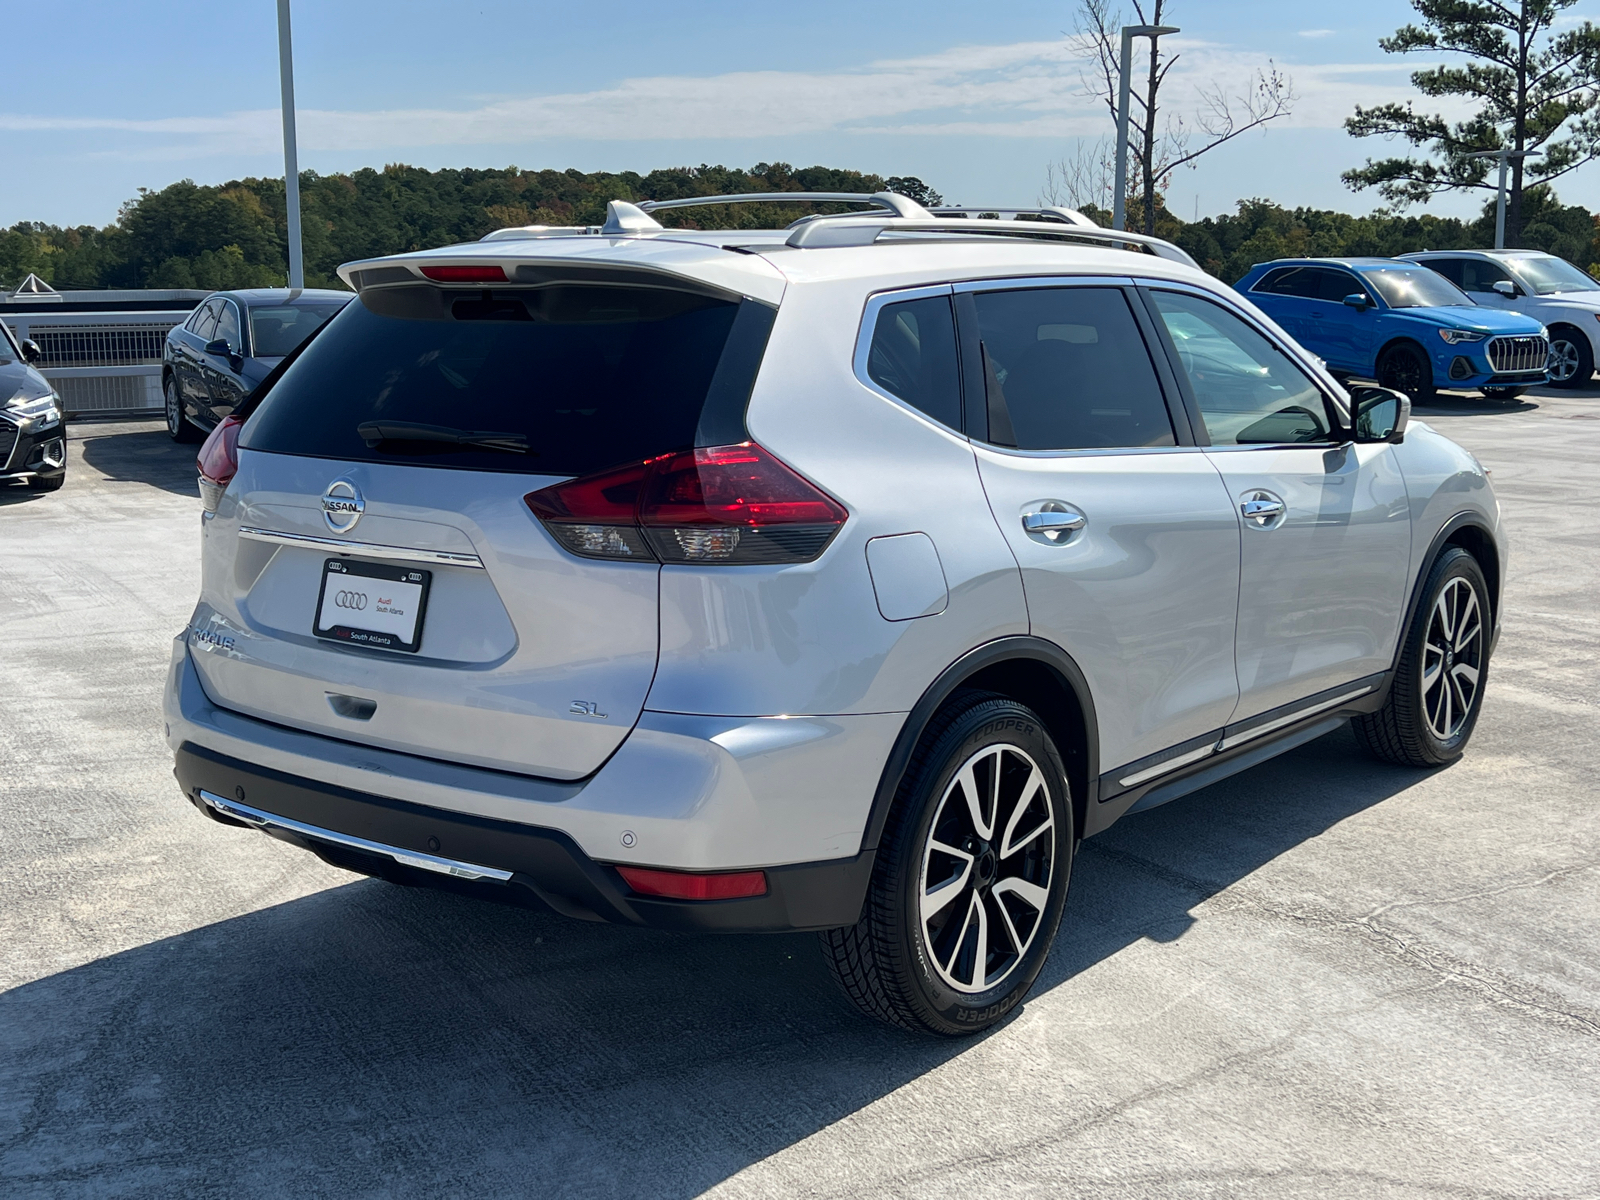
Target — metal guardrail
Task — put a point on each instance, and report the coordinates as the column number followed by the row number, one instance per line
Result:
column 100, row 363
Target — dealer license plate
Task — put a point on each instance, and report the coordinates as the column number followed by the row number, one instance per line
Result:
column 372, row 604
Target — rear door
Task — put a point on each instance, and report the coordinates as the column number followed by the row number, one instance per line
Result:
column 1325, row 524
column 377, row 579
column 1127, row 540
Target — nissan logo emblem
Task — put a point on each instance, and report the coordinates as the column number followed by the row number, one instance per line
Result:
column 342, row 506
column 355, row 600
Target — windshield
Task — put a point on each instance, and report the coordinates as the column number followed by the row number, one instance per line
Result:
column 1415, row 287
column 560, row 380
column 276, row 330
column 1549, row 275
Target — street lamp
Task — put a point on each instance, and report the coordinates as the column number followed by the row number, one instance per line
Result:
column 1119, row 202
column 291, row 164
column 1500, row 200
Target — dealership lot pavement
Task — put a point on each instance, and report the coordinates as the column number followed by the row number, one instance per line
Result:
column 1325, row 977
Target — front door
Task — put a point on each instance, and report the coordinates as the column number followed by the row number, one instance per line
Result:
column 224, row 388
column 1126, row 538
column 1325, row 529
column 1345, row 335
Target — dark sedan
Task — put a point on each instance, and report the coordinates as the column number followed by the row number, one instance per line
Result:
column 212, row 361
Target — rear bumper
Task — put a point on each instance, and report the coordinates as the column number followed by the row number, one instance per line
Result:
column 412, row 844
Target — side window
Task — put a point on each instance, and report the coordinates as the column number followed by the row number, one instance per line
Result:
column 1249, row 391
column 228, row 326
column 1336, row 285
column 204, row 321
column 1479, row 275
column 1290, row 281
column 1450, row 268
column 1066, row 369
column 913, row 356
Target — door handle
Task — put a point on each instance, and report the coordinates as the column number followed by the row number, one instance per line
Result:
column 1052, row 522
column 1263, row 508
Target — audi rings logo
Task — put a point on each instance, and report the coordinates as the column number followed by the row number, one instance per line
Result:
column 342, row 506
column 355, row 600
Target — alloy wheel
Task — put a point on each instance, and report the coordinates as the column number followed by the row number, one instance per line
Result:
column 174, row 414
column 1563, row 362
column 987, row 868
column 1452, row 659
column 1403, row 373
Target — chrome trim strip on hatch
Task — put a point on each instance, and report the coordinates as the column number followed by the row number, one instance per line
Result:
column 409, row 858
column 365, row 549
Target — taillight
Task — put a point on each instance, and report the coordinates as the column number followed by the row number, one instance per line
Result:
column 689, row 885
column 218, row 461
column 489, row 273
column 719, row 504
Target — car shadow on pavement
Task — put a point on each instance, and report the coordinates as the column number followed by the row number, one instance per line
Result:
column 137, row 453
column 371, row 1038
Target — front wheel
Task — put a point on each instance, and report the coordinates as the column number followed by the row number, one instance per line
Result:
column 970, row 879
column 1571, row 358
column 1405, row 368
column 1437, row 691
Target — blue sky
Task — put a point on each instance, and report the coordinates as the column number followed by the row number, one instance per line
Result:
column 976, row 99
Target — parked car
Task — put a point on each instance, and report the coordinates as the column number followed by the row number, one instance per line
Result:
column 227, row 346
column 33, row 431
column 1396, row 322
column 1539, row 285
column 842, row 583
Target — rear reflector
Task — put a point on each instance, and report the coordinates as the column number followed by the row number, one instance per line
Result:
column 684, row 885
column 218, row 462
column 733, row 505
column 479, row 274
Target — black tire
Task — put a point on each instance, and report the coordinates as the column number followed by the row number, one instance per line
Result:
column 47, row 483
column 1571, row 356
column 1502, row 393
column 1404, row 367
column 922, row 975
column 179, row 427
column 1412, row 728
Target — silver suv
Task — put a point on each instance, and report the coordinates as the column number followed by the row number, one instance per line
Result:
column 841, row 577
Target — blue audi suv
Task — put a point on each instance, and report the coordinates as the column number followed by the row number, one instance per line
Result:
column 1396, row 322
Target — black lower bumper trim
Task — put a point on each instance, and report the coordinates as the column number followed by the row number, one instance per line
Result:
column 547, row 866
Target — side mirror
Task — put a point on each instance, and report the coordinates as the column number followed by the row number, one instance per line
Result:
column 1380, row 414
column 219, row 346
column 1507, row 289
column 30, row 351
column 1357, row 301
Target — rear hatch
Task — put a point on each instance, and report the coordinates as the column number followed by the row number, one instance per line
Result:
column 374, row 573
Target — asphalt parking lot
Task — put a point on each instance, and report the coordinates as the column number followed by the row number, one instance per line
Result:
column 1324, row 977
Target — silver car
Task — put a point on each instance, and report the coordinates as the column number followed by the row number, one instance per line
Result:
column 841, row 577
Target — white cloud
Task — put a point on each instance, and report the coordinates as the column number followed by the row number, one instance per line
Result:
column 1019, row 90
column 1317, row 33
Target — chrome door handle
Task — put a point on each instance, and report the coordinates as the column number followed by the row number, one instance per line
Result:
column 1262, row 507
column 1053, row 522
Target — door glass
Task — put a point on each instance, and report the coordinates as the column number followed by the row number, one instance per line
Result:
column 913, row 356
column 228, row 326
column 1290, row 281
column 1479, row 275
column 205, row 321
column 1334, row 286
column 1249, row 391
column 1450, row 268
column 1066, row 369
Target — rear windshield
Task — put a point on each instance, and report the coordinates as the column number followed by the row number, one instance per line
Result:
column 563, row 379
column 276, row 329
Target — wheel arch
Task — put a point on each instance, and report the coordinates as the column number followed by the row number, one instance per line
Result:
column 1402, row 339
column 1468, row 531
column 1029, row 670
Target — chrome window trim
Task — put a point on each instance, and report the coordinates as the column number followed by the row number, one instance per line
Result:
column 1013, row 283
column 876, row 303
column 364, row 549
column 239, row 316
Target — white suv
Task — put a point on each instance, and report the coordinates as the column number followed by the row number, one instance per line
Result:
column 841, row 577
column 1549, row 289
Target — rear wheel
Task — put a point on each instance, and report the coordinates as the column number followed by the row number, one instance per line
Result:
column 179, row 427
column 1405, row 368
column 1571, row 358
column 1437, row 691
column 971, row 875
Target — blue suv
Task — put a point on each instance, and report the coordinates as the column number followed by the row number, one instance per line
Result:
column 1402, row 325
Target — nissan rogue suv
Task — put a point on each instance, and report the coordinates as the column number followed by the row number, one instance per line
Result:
column 840, row 578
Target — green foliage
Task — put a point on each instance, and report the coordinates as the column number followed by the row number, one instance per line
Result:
column 187, row 235
column 1534, row 77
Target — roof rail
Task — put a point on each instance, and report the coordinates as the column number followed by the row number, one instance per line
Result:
column 832, row 231
column 894, row 202
column 1069, row 216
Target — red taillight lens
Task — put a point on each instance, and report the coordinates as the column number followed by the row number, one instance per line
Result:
column 719, row 504
column 480, row 274
column 218, row 462
column 685, row 885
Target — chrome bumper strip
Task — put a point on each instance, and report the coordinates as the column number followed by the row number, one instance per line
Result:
column 364, row 549
column 410, row 858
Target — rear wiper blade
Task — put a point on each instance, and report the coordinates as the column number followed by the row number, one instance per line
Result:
column 375, row 432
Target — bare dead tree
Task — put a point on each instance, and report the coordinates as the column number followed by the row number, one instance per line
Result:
column 1163, row 140
column 1085, row 178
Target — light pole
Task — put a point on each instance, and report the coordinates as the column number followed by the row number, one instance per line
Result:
column 291, row 164
column 1119, row 202
column 1500, row 196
